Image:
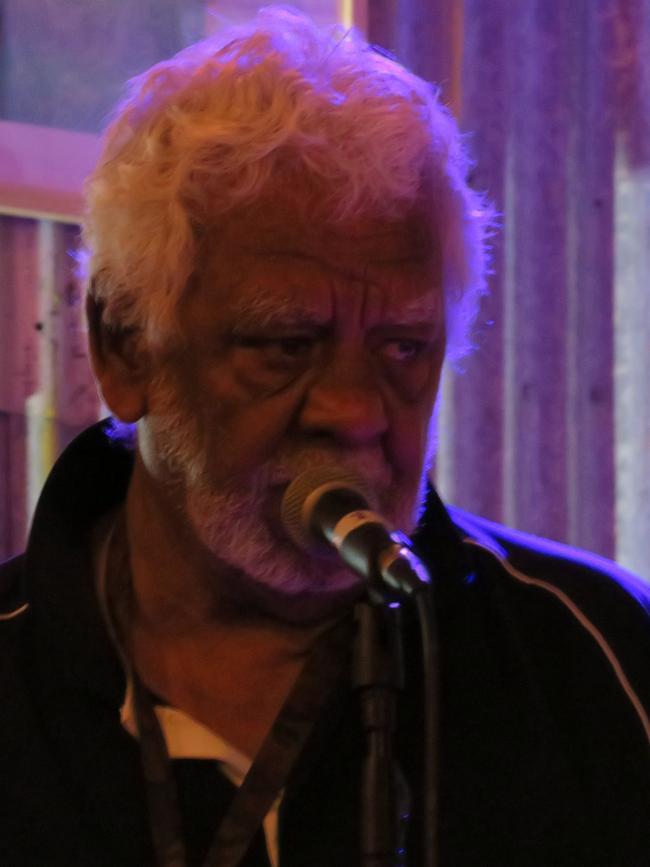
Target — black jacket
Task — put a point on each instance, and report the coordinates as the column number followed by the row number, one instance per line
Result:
column 543, row 674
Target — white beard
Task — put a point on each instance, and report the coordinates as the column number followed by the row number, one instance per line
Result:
column 240, row 525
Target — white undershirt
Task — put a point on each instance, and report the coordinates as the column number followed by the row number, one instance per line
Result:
column 188, row 739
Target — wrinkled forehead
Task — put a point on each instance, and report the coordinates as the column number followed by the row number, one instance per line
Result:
column 278, row 262
column 268, row 308
column 276, row 228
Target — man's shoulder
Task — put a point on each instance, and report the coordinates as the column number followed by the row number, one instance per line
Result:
column 14, row 614
column 567, row 600
column 526, row 557
column 14, row 611
column 12, row 600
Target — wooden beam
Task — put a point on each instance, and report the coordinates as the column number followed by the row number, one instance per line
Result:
column 42, row 170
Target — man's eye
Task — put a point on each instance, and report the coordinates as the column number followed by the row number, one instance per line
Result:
column 404, row 349
column 280, row 349
column 293, row 347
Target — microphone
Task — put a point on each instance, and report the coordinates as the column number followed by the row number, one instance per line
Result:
column 330, row 506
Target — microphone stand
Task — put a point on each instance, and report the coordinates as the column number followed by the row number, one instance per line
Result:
column 378, row 675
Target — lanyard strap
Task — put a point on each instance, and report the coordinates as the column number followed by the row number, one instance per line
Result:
column 325, row 668
column 284, row 743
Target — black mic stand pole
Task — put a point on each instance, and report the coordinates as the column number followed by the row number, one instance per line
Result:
column 378, row 676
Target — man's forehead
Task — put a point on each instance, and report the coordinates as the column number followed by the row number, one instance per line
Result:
column 286, row 308
column 267, row 307
column 280, row 229
column 266, row 263
column 386, row 242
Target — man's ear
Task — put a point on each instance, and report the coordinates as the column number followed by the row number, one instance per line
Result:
column 120, row 363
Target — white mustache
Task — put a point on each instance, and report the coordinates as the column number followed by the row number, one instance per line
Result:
column 370, row 467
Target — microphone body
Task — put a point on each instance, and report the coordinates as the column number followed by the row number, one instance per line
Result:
column 328, row 506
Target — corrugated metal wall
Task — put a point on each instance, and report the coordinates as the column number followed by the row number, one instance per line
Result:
column 47, row 394
column 548, row 427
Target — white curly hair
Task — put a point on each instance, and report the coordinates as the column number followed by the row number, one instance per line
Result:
column 239, row 114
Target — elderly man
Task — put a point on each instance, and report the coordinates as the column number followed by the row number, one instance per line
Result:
column 281, row 251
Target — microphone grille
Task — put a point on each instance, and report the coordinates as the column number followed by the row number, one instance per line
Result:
column 294, row 517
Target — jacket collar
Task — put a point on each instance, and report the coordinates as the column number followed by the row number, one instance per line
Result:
column 71, row 647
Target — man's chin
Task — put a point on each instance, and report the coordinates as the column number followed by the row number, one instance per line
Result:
column 307, row 607
column 260, row 567
column 300, row 601
column 278, row 581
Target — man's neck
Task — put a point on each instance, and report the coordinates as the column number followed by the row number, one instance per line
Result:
column 193, row 642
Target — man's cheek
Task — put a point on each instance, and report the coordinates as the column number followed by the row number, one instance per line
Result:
column 408, row 427
column 242, row 383
column 246, row 431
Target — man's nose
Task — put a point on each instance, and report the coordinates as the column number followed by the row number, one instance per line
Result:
column 344, row 402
